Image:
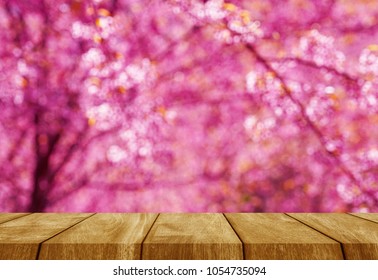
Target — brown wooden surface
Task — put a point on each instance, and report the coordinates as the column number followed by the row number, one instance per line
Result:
column 359, row 237
column 192, row 236
column 279, row 237
column 188, row 236
column 102, row 236
column 5, row 217
column 20, row 238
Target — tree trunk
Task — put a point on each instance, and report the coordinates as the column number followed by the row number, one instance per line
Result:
column 44, row 148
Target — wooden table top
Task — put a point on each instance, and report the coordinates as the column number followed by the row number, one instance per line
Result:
column 188, row 236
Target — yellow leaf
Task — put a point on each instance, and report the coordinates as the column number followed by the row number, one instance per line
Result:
column 373, row 48
column 91, row 121
column 162, row 110
column 103, row 12
column 333, row 96
column 24, row 82
column 97, row 38
column 246, row 17
column 121, row 89
column 95, row 81
column 118, row 55
column 98, row 22
column 229, row 7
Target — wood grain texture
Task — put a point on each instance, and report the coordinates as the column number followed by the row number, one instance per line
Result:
column 359, row 237
column 20, row 238
column 5, row 217
column 100, row 237
column 192, row 237
column 367, row 216
column 278, row 237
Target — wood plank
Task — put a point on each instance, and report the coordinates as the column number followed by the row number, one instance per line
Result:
column 368, row 216
column 102, row 236
column 189, row 236
column 275, row 236
column 20, row 238
column 5, row 217
column 359, row 237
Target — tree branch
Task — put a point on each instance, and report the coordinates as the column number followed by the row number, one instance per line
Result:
column 317, row 132
column 349, row 78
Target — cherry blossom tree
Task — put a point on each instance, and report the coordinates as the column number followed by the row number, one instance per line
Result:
column 189, row 105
